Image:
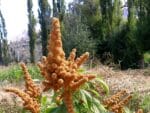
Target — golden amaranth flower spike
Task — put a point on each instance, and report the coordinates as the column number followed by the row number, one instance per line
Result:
column 60, row 72
column 31, row 88
column 30, row 95
column 116, row 102
column 29, row 103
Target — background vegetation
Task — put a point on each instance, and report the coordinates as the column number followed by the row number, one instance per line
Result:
column 98, row 26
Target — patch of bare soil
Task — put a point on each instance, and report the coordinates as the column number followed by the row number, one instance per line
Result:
column 9, row 103
column 137, row 80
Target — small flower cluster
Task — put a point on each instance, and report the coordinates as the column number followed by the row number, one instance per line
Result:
column 30, row 95
column 116, row 102
column 31, row 89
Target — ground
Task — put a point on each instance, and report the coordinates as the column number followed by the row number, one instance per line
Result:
column 134, row 80
column 137, row 80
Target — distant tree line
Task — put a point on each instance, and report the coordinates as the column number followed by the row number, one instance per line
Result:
column 108, row 31
column 97, row 26
column 4, row 56
column 31, row 30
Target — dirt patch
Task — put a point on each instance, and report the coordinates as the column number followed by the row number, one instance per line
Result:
column 137, row 80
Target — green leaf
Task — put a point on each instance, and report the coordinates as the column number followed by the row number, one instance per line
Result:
column 94, row 92
column 91, row 103
column 95, row 109
column 83, row 96
column 59, row 109
column 81, row 70
column 88, row 98
column 97, row 103
column 44, row 100
column 103, row 85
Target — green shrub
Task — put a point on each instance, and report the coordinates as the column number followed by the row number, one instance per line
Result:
column 134, row 104
column 10, row 73
column 147, row 57
column 140, row 102
column 145, row 104
column 14, row 72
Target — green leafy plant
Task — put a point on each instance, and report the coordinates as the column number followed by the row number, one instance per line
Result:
column 34, row 71
column 86, row 100
column 140, row 102
column 147, row 57
column 14, row 73
column 11, row 73
column 145, row 104
column 135, row 102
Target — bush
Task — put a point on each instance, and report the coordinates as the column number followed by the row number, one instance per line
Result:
column 145, row 104
column 140, row 102
column 147, row 57
column 77, row 36
column 14, row 73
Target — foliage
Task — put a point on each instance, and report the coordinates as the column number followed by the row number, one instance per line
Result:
column 34, row 71
column 31, row 30
column 58, row 9
column 14, row 73
column 97, row 26
column 123, row 38
column 143, row 23
column 5, row 50
column 10, row 73
column 86, row 100
column 124, row 49
column 147, row 57
column 55, row 11
column 3, row 31
column 145, row 104
column 44, row 13
column 76, row 36
column 140, row 102
column 135, row 102
column 4, row 59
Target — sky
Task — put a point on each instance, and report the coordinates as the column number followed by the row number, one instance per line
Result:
column 15, row 14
